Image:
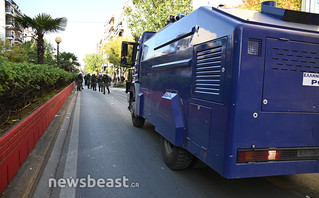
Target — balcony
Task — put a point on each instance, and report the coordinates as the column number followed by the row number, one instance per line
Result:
column 118, row 30
column 9, row 36
column 9, row 26
column 109, row 37
column 9, row 23
column 9, row 11
column 18, row 40
column 119, row 27
column 111, row 21
column 18, row 30
column 109, row 28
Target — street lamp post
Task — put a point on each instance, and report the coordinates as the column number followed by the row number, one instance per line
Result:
column 58, row 41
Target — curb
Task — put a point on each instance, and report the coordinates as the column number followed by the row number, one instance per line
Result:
column 25, row 181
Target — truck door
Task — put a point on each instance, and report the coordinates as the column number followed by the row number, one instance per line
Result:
column 145, row 80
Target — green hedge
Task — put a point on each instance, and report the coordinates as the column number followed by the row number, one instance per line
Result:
column 21, row 83
column 119, row 84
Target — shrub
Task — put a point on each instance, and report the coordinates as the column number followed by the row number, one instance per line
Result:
column 119, row 84
column 21, row 83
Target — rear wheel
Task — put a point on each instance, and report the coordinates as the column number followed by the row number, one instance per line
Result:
column 175, row 158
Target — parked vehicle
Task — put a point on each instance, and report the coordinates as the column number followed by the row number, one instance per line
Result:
column 235, row 89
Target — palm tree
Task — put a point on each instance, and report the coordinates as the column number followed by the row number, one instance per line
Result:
column 41, row 24
column 68, row 61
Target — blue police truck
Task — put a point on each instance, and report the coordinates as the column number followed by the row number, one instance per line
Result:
column 235, row 89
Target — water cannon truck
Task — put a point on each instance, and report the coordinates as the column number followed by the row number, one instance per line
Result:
column 236, row 90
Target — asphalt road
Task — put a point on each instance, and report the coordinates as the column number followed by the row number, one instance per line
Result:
column 108, row 157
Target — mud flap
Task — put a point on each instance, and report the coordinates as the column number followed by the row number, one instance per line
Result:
column 174, row 131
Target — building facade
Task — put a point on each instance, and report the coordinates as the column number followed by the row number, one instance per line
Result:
column 310, row 6
column 8, row 30
column 115, row 26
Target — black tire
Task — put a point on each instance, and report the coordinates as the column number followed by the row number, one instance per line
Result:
column 176, row 158
column 137, row 121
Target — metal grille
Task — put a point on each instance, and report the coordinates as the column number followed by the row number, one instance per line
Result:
column 295, row 60
column 208, row 71
column 254, row 47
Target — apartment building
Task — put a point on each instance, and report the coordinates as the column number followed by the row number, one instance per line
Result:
column 310, row 6
column 115, row 26
column 8, row 31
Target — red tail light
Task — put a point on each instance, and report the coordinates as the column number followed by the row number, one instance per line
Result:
column 258, row 156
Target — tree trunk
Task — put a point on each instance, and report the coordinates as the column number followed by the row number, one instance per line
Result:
column 40, row 48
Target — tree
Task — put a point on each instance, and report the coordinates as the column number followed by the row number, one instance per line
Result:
column 49, row 57
column 14, row 53
column 112, row 50
column 68, row 60
column 30, row 49
column 3, row 47
column 26, row 52
column 255, row 4
column 41, row 24
column 93, row 62
column 152, row 15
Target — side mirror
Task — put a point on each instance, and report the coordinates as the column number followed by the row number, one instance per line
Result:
column 128, row 53
column 124, row 49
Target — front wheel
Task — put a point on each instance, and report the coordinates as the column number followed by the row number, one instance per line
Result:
column 175, row 158
column 137, row 121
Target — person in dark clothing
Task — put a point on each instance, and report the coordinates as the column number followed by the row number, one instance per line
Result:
column 85, row 80
column 93, row 81
column 88, row 78
column 106, row 80
column 100, row 83
column 79, row 81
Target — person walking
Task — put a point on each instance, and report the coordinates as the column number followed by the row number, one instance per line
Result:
column 100, row 82
column 79, row 82
column 106, row 80
column 87, row 80
column 93, row 81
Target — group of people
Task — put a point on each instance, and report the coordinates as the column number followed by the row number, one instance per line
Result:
column 91, row 81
